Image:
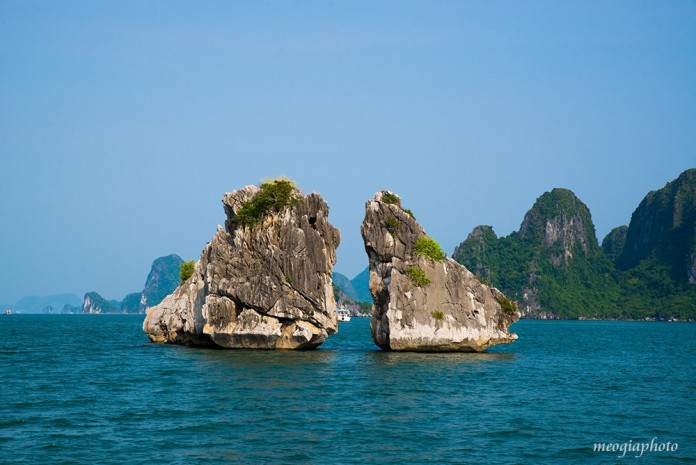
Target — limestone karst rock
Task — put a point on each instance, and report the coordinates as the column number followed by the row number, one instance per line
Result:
column 424, row 301
column 263, row 282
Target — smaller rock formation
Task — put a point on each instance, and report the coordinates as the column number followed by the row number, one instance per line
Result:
column 161, row 281
column 263, row 282
column 424, row 301
column 95, row 303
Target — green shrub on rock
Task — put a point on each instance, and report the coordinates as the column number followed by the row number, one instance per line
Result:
column 428, row 247
column 393, row 225
column 273, row 196
column 417, row 275
column 186, row 270
column 391, row 199
column 509, row 306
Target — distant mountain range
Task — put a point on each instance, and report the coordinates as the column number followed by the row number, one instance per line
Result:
column 161, row 281
column 45, row 304
column 357, row 288
column 555, row 268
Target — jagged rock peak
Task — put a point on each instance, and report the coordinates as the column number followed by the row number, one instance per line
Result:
column 262, row 282
column 482, row 232
column 424, row 301
column 613, row 243
column 560, row 219
column 664, row 224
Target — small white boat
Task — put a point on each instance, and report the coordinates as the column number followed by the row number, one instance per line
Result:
column 8, row 312
column 343, row 314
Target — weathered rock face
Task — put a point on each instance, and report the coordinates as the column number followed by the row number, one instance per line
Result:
column 450, row 310
column 261, row 286
column 559, row 219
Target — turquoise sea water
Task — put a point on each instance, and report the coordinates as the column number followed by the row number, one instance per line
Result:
column 91, row 389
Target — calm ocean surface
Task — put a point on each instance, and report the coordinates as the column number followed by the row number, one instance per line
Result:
column 92, row 389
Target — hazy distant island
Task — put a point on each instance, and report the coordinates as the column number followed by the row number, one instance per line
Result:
column 161, row 281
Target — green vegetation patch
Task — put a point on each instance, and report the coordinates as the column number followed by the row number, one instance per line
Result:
column 438, row 315
column 509, row 306
column 391, row 199
column 409, row 213
column 417, row 275
column 428, row 247
column 393, row 225
column 186, row 270
column 274, row 196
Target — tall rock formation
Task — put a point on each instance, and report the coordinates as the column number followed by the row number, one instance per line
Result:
column 561, row 223
column 553, row 265
column 161, row 281
column 264, row 281
column 663, row 228
column 657, row 262
column 424, row 301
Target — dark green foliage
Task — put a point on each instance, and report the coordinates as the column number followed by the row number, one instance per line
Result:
column 663, row 226
column 614, row 242
column 438, row 315
column 186, row 270
column 417, row 275
column 509, row 306
column 288, row 279
column 649, row 281
column 409, row 212
column 365, row 307
column 428, row 247
column 393, row 225
column 131, row 303
column 586, row 286
column 273, row 196
column 391, row 199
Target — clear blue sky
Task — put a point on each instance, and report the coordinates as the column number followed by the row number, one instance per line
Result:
column 122, row 123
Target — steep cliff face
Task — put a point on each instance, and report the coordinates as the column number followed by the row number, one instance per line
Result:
column 559, row 220
column 262, row 282
column 424, row 301
column 553, row 265
column 161, row 281
column 663, row 227
column 614, row 242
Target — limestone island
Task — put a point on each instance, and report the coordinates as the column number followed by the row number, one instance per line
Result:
column 424, row 301
column 262, row 282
